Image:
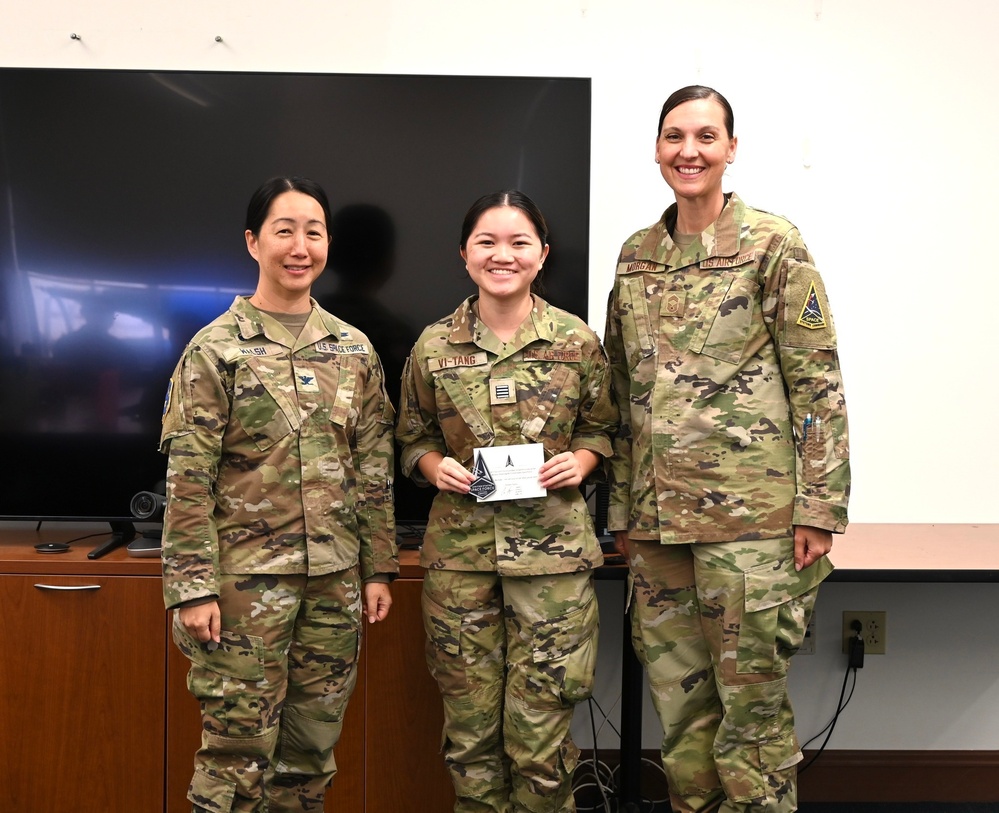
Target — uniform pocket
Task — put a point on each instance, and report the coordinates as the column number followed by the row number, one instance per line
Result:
column 443, row 648
column 237, row 656
column 565, row 651
column 343, row 413
column 554, row 415
column 442, row 626
column 732, row 322
column 209, row 792
column 264, row 413
column 637, row 331
column 221, row 680
column 778, row 603
column 461, row 423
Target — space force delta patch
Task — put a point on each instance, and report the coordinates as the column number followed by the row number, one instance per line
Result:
column 483, row 486
column 811, row 315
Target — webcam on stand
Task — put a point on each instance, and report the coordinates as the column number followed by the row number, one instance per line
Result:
column 147, row 506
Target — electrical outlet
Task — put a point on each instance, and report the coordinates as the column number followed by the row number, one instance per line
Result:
column 873, row 630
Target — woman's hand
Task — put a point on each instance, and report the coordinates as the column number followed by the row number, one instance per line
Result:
column 377, row 600
column 621, row 544
column 203, row 621
column 567, row 469
column 810, row 545
column 445, row 472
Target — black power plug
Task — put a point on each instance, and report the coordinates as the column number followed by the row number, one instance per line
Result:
column 856, row 647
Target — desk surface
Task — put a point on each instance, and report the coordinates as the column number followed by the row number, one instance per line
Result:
column 869, row 552
column 888, row 552
column 891, row 552
column 18, row 554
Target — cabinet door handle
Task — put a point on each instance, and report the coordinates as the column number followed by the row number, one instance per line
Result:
column 68, row 586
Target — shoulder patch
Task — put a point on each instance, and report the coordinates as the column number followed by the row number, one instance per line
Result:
column 811, row 315
column 166, row 399
column 571, row 355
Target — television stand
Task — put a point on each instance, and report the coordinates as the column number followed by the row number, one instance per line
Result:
column 121, row 534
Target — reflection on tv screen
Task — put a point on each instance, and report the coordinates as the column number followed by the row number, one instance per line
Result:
column 122, row 198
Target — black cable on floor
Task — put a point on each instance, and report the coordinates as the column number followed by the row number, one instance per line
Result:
column 831, row 725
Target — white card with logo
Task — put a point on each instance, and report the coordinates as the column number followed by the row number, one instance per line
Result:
column 507, row 472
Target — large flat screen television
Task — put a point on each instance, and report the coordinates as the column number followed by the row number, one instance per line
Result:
column 122, row 197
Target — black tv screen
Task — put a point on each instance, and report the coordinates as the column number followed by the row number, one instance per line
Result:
column 122, row 198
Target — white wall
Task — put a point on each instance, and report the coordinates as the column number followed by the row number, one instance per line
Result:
column 935, row 689
column 871, row 125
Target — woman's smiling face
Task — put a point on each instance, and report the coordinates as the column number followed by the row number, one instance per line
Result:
column 291, row 246
column 504, row 253
column 693, row 149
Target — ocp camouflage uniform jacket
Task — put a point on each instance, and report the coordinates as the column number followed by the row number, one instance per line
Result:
column 280, row 454
column 719, row 353
column 563, row 401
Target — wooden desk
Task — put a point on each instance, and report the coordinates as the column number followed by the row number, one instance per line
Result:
column 96, row 691
column 890, row 552
column 101, row 659
column 84, row 680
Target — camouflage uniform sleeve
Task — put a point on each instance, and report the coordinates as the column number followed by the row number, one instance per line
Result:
column 376, row 465
column 796, row 311
column 418, row 430
column 597, row 415
column 620, row 465
column 194, row 422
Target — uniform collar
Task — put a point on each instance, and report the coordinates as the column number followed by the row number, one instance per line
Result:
column 720, row 239
column 321, row 325
column 466, row 328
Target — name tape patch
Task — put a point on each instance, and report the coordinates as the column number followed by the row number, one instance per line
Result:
column 340, row 349
column 644, row 265
column 571, row 355
column 729, row 262
column 436, row 363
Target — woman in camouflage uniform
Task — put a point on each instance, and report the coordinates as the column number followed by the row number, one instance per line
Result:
column 731, row 468
column 279, row 529
column 508, row 601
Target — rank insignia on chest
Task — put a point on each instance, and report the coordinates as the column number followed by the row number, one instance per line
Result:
column 673, row 303
column 811, row 315
column 502, row 391
column 305, row 380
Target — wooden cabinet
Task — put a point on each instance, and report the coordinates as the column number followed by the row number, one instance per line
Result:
column 81, row 705
column 403, row 714
column 94, row 709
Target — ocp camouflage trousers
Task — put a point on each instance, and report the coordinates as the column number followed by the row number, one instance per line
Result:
column 511, row 657
column 715, row 626
column 274, row 692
